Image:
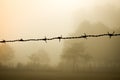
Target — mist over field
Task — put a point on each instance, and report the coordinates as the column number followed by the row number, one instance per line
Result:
column 78, row 59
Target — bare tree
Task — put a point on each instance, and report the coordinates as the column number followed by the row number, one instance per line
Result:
column 39, row 59
column 74, row 55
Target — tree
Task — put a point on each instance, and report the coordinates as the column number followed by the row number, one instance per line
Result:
column 74, row 55
column 39, row 59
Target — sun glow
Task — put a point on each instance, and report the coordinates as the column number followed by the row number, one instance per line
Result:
column 49, row 16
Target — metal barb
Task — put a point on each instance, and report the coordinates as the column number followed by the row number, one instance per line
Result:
column 60, row 38
column 84, row 36
column 21, row 39
column 45, row 39
column 3, row 41
column 111, row 34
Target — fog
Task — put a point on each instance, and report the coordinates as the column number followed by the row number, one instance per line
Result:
column 50, row 18
column 6, row 54
column 99, row 52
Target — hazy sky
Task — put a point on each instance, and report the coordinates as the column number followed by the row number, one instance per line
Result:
column 40, row 18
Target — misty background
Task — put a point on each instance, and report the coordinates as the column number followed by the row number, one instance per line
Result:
column 37, row 19
column 91, row 58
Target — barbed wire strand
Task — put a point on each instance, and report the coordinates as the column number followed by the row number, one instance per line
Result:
column 85, row 36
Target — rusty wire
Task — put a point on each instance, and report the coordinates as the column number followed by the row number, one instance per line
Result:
column 85, row 36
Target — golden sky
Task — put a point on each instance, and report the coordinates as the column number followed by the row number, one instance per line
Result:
column 28, row 18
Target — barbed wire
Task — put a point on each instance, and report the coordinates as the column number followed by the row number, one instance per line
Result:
column 85, row 36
